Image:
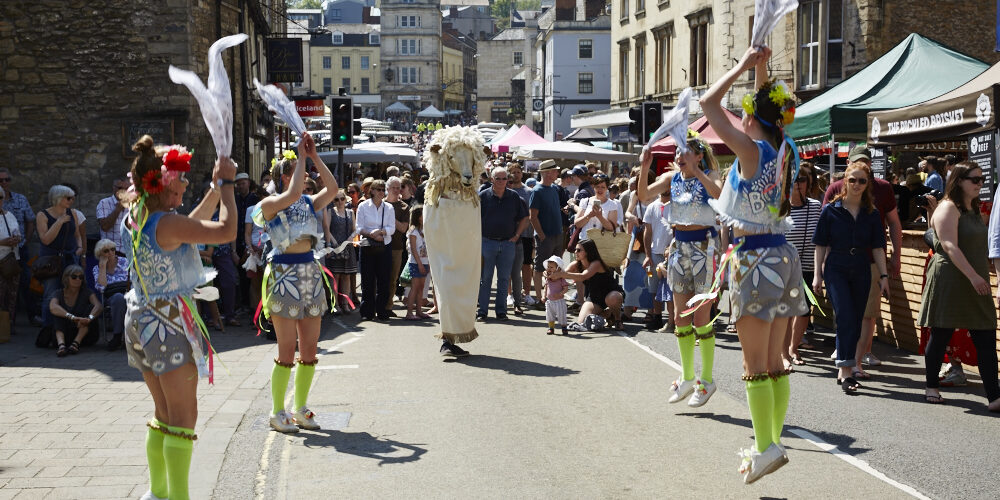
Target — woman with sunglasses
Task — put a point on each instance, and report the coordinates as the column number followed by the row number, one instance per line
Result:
column 603, row 294
column 957, row 293
column 294, row 300
column 60, row 240
column 111, row 280
column 849, row 233
column 805, row 210
column 338, row 225
column 692, row 259
column 74, row 308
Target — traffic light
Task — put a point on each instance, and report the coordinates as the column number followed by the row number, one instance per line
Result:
column 652, row 118
column 341, row 122
column 635, row 123
column 357, row 120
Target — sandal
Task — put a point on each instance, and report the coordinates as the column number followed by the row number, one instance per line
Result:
column 849, row 385
column 934, row 399
column 797, row 360
column 423, row 315
column 74, row 347
column 411, row 317
column 807, row 346
column 62, row 352
column 858, row 374
column 731, row 329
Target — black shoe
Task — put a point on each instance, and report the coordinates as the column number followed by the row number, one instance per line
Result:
column 389, row 314
column 481, row 318
column 503, row 318
column 115, row 343
column 549, row 331
column 449, row 349
column 367, row 318
column 564, row 331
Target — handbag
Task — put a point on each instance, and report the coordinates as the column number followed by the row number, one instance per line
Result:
column 46, row 266
column 9, row 267
column 611, row 245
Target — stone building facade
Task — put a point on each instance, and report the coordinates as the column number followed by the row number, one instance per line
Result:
column 347, row 57
column 411, row 53
column 81, row 79
column 504, row 60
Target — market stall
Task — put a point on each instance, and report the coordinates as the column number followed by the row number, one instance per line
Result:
column 522, row 137
column 568, row 150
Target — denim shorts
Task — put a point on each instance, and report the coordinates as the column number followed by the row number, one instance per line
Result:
column 415, row 270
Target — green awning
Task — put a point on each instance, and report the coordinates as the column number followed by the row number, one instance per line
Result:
column 914, row 71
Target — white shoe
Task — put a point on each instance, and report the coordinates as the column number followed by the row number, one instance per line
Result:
column 680, row 389
column 150, row 496
column 702, row 393
column 510, row 301
column 282, row 422
column 870, row 360
column 757, row 465
column 304, row 419
column 834, row 355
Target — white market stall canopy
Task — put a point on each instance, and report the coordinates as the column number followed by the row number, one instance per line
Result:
column 373, row 152
column 430, row 112
column 397, row 107
column 565, row 150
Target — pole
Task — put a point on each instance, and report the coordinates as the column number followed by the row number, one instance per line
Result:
column 340, row 167
column 833, row 157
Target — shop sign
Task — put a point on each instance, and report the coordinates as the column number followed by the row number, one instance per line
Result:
column 408, row 98
column 880, row 161
column 284, row 60
column 310, row 108
column 970, row 113
column 982, row 150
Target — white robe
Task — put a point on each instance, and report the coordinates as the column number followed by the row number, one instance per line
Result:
column 453, row 234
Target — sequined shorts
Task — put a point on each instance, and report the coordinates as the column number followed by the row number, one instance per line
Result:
column 767, row 283
column 155, row 335
column 295, row 290
column 692, row 266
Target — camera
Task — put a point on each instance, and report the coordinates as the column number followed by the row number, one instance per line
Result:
column 921, row 200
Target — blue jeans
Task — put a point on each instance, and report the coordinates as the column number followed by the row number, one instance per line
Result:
column 848, row 280
column 499, row 256
column 516, row 283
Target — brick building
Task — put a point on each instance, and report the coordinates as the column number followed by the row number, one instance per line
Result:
column 80, row 80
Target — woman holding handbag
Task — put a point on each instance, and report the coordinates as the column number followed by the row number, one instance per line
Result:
column 10, row 269
column 343, row 264
column 61, row 245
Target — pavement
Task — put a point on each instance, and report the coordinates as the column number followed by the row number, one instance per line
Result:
column 526, row 416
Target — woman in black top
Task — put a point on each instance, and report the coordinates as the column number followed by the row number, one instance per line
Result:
column 604, row 295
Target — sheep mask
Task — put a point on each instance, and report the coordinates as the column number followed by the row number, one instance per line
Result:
column 455, row 159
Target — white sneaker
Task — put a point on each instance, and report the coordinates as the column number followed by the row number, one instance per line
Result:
column 680, row 389
column 870, row 360
column 150, row 496
column 702, row 393
column 510, row 301
column 304, row 419
column 757, row 465
column 282, row 422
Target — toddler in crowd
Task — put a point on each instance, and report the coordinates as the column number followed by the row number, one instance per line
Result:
column 418, row 264
column 555, row 289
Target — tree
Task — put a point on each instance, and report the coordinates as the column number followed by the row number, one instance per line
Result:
column 500, row 10
column 305, row 4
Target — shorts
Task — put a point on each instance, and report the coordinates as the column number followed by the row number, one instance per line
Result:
column 873, row 309
column 764, row 279
column 295, row 287
column 547, row 248
column 555, row 311
column 692, row 265
column 157, row 335
column 528, row 244
column 415, row 270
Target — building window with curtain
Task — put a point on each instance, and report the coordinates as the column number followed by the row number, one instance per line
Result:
column 327, row 62
column 640, row 65
column 585, row 83
column 820, row 43
column 623, row 14
column 365, row 86
column 328, row 86
column 623, row 70
column 698, row 70
column 662, row 37
column 337, row 38
column 586, row 49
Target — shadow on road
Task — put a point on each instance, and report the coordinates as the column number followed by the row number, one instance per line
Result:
column 363, row 444
column 514, row 366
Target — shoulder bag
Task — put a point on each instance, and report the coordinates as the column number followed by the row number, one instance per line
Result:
column 9, row 268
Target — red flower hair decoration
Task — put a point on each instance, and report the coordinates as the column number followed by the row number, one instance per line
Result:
column 152, row 183
column 177, row 159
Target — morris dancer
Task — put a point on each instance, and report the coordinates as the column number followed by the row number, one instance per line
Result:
column 293, row 291
column 162, row 328
column 765, row 277
column 692, row 258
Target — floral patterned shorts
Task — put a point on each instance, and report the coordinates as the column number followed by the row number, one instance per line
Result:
column 767, row 283
column 296, row 291
column 692, row 266
column 155, row 335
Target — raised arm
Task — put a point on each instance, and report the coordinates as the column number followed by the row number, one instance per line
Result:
column 271, row 205
column 711, row 105
column 645, row 191
column 175, row 229
column 330, row 187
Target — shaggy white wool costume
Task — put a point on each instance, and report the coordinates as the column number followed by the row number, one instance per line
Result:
column 453, row 228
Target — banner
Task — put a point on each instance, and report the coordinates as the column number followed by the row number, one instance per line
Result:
column 880, row 161
column 284, row 60
column 982, row 150
column 934, row 121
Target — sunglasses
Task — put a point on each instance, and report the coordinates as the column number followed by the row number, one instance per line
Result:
column 108, row 250
column 340, row 199
column 855, row 180
column 978, row 179
column 5, row 179
column 76, row 276
column 578, row 250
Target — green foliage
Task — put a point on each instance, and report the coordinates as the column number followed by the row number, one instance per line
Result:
column 501, row 10
column 305, row 4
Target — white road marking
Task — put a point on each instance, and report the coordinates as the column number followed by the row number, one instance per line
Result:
column 336, row 367
column 808, row 436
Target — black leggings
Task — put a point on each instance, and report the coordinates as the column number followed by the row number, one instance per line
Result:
column 985, row 342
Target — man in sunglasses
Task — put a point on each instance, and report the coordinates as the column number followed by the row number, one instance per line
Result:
column 18, row 205
column 885, row 202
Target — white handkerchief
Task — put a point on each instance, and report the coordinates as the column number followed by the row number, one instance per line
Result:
column 675, row 124
column 766, row 15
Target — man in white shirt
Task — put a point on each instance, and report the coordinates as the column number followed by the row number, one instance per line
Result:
column 111, row 212
column 656, row 239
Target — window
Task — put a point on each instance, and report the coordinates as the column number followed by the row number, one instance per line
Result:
column 346, row 84
column 698, row 71
column 640, row 65
column 640, row 6
column 345, row 62
column 408, row 21
column 374, row 39
column 586, row 49
column 365, row 62
column 328, row 86
column 409, row 47
column 409, row 1
column 327, row 63
column 821, row 42
column 835, row 42
column 585, row 83
column 518, row 58
column 365, row 86
column 408, row 75
column 623, row 14
column 623, row 70
column 662, row 37
column 334, row 13
column 338, row 38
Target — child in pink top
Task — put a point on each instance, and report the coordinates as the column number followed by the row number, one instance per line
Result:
column 555, row 289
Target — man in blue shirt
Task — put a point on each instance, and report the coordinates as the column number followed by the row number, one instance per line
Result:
column 504, row 217
column 546, row 218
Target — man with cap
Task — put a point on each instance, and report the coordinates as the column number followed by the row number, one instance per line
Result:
column 546, row 218
column 585, row 190
column 885, row 202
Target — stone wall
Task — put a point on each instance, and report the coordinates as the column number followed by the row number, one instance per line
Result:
column 75, row 73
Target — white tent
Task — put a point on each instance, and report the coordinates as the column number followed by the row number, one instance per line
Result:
column 397, row 107
column 566, row 150
column 373, row 152
column 430, row 112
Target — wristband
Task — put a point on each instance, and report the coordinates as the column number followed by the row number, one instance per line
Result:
column 70, row 317
column 225, row 182
column 90, row 317
column 883, row 276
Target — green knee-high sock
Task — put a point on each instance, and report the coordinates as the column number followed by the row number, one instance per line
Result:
column 177, row 455
column 303, row 381
column 782, row 392
column 707, row 346
column 686, row 346
column 760, row 398
column 157, row 465
column 279, row 384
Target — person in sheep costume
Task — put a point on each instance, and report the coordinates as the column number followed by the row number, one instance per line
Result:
column 455, row 158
